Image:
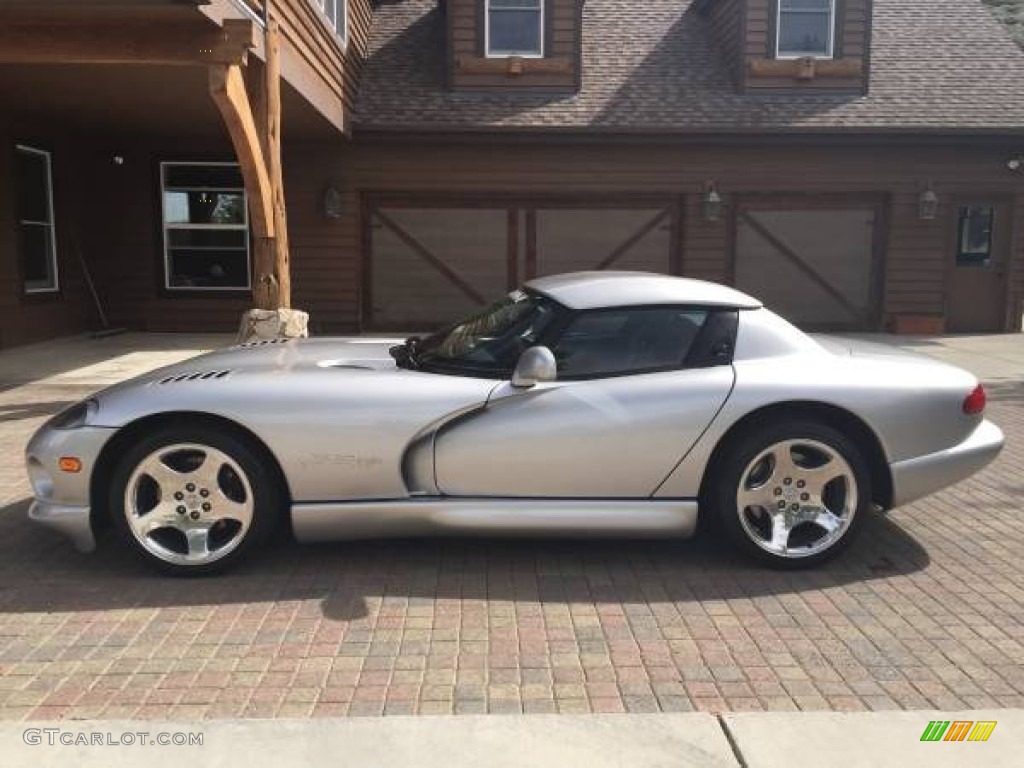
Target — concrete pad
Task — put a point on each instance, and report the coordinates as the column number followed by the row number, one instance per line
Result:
column 496, row 741
column 871, row 739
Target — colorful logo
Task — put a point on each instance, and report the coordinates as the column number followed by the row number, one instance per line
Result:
column 958, row 730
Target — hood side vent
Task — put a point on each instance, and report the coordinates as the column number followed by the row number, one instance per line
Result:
column 193, row 376
column 260, row 343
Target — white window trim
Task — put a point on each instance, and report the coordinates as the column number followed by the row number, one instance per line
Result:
column 52, row 224
column 165, row 228
column 321, row 8
column 797, row 55
column 488, row 53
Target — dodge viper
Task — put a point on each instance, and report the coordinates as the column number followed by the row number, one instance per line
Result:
column 588, row 404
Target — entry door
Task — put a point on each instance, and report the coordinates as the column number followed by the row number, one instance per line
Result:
column 976, row 292
column 607, row 438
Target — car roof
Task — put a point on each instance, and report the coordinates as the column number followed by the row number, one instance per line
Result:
column 597, row 290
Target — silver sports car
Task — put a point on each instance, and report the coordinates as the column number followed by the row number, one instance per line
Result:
column 598, row 404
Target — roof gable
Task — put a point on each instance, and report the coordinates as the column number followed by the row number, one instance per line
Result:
column 653, row 67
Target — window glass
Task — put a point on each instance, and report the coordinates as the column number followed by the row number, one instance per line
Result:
column 204, row 208
column 335, row 11
column 515, row 27
column 206, row 232
column 974, row 247
column 615, row 342
column 805, row 27
column 494, row 338
column 36, row 238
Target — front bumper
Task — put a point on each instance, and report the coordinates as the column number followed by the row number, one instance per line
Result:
column 69, row 520
column 62, row 498
column 918, row 477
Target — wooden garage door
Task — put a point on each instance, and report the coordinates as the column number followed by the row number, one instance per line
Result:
column 430, row 264
column 816, row 266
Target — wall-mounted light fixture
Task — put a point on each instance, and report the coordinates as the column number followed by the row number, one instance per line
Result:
column 332, row 203
column 1015, row 164
column 712, row 203
column 928, row 204
column 118, row 159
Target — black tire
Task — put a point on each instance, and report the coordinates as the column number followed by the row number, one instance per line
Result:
column 268, row 499
column 747, row 447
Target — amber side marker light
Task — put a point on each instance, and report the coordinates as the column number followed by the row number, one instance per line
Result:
column 974, row 403
column 70, row 464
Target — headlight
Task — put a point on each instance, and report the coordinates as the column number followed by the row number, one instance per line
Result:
column 76, row 416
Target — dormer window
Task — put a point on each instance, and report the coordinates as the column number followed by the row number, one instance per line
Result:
column 806, row 28
column 515, row 28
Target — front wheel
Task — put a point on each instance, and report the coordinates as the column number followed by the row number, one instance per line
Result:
column 793, row 494
column 192, row 500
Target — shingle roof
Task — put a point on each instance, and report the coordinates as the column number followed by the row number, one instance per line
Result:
column 652, row 66
column 1010, row 13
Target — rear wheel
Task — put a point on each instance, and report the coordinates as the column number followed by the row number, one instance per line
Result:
column 192, row 499
column 793, row 494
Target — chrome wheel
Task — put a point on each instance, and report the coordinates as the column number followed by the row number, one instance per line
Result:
column 797, row 498
column 188, row 504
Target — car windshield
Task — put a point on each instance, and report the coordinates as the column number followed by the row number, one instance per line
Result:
column 491, row 340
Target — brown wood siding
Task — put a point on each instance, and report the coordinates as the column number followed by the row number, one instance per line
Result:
column 852, row 47
column 316, row 61
column 28, row 318
column 562, row 35
column 123, row 242
column 725, row 20
column 114, row 217
column 328, row 253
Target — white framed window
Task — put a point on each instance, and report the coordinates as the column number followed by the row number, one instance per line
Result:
column 205, row 226
column 335, row 13
column 514, row 28
column 805, row 28
column 37, row 239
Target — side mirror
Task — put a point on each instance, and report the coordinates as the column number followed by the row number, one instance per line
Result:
column 535, row 365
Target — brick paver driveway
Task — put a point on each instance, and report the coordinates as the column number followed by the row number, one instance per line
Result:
column 925, row 611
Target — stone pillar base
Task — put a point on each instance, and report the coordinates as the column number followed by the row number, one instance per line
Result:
column 265, row 324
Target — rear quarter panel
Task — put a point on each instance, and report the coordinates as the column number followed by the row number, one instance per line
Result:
column 912, row 404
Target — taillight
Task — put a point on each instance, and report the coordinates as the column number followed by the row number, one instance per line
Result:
column 974, row 403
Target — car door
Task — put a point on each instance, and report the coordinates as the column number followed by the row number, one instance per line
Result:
column 637, row 386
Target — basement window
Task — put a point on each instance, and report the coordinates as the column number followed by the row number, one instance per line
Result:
column 806, row 28
column 37, row 245
column 205, row 227
column 515, row 28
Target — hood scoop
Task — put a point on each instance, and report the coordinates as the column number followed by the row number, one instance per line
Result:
column 177, row 378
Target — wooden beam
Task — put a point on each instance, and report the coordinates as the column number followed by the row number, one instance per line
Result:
column 227, row 87
column 272, row 151
column 128, row 42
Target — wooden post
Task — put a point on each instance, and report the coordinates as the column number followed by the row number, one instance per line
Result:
column 272, row 151
column 227, row 87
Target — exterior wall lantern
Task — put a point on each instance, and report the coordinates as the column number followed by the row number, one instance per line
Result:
column 333, row 203
column 928, row 205
column 712, row 203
